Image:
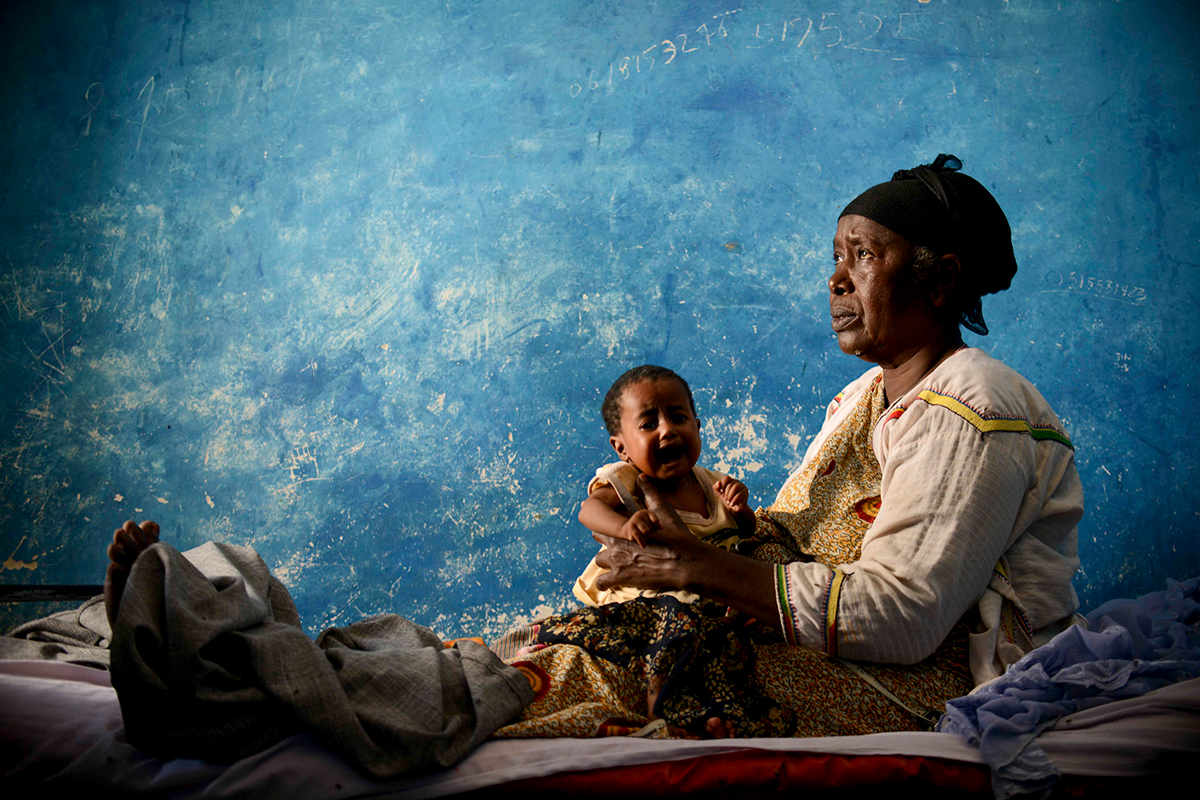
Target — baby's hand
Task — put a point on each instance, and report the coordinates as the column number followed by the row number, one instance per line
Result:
column 636, row 527
column 733, row 493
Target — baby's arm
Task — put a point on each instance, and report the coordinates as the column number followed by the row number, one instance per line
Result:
column 736, row 496
column 603, row 512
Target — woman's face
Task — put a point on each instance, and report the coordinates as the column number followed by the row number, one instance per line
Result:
column 877, row 310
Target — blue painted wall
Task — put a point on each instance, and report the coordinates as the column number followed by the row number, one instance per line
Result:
column 347, row 281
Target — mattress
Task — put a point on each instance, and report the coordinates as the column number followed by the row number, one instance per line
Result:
column 60, row 726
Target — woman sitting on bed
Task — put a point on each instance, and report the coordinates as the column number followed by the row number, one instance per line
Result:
column 927, row 540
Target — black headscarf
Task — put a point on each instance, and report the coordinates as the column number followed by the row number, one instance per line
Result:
column 937, row 206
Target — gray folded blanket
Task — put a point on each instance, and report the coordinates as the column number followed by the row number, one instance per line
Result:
column 78, row 636
column 209, row 661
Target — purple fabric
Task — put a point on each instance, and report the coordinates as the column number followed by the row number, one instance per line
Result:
column 1133, row 647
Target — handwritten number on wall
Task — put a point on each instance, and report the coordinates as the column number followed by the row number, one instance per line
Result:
column 836, row 32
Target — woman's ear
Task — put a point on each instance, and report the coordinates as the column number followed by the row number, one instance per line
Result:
column 947, row 271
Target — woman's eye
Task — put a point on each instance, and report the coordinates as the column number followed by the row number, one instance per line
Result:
column 862, row 253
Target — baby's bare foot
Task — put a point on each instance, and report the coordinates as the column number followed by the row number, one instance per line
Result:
column 128, row 543
column 717, row 728
column 654, row 685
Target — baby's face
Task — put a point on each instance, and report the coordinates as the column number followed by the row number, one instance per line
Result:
column 660, row 434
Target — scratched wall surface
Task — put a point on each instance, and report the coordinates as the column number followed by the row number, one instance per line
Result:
column 346, row 281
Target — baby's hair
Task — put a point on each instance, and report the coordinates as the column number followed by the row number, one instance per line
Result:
column 611, row 408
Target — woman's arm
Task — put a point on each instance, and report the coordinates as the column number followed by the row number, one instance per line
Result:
column 677, row 559
column 923, row 563
column 951, row 502
column 954, row 503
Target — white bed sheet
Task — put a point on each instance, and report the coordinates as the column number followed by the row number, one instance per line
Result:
column 60, row 725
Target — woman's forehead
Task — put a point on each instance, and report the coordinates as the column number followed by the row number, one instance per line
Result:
column 855, row 228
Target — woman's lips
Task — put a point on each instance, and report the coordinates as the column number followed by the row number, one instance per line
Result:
column 841, row 318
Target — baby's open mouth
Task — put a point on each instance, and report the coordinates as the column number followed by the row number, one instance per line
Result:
column 671, row 453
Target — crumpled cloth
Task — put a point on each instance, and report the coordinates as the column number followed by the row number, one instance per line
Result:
column 78, row 636
column 1133, row 647
column 209, row 661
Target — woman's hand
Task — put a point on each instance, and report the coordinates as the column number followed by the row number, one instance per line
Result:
column 663, row 562
column 675, row 559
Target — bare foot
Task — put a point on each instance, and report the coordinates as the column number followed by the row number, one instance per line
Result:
column 654, row 685
column 717, row 728
column 128, row 542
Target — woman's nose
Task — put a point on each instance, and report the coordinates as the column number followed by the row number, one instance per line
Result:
column 839, row 281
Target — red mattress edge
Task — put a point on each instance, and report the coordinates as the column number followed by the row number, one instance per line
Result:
column 764, row 770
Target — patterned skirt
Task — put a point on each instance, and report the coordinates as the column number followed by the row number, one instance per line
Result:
column 597, row 669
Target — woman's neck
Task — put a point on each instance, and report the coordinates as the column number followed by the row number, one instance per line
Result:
column 898, row 380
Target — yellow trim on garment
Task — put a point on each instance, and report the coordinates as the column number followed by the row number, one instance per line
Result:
column 786, row 615
column 989, row 425
column 831, row 609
